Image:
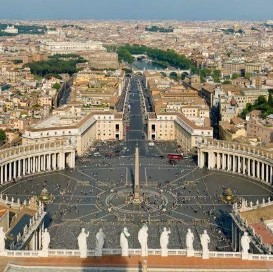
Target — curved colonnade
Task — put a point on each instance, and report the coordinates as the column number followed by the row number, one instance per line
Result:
column 23, row 160
column 254, row 162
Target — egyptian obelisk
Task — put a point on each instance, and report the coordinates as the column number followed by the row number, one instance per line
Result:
column 137, row 197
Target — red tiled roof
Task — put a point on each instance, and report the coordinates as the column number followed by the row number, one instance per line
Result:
column 260, row 229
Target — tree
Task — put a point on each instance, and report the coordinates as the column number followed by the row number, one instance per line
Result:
column 261, row 100
column 56, row 86
column 226, row 82
column 125, row 55
column 270, row 99
column 247, row 75
column 234, row 76
column 216, row 75
column 2, row 135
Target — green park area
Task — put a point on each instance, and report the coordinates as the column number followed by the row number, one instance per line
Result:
column 55, row 65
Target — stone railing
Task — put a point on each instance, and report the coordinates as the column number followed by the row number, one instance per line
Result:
column 255, row 238
column 132, row 252
column 10, row 202
column 248, row 206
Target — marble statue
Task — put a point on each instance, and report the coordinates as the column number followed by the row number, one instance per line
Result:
column 124, row 242
column 189, row 243
column 45, row 241
column 2, row 239
column 205, row 240
column 143, row 240
column 100, row 236
column 164, row 241
column 82, row 243
column 245, row 241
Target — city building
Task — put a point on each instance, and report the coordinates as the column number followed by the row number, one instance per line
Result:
column 11, row 30
column 75, row 125
column 260, row 128
column 188, row 133
column 70, row 47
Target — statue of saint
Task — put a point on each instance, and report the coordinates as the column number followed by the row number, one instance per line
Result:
column 245, row 240
column 82, row 243
column 164, row 241
column 205, row 240
column 189, row 240
column 100, row 236
column 124, row 242
column 143, row 240
column 2, row 240
column 45, row 240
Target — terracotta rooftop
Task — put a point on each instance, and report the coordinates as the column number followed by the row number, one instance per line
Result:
column 260, row 229
column 255, row 215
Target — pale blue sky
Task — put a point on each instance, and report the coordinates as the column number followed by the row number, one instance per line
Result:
column 137, row 9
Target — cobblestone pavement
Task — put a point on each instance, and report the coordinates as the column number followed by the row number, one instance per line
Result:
column 95, row 194
column 193, row 199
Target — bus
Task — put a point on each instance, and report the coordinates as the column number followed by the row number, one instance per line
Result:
column 173, row 156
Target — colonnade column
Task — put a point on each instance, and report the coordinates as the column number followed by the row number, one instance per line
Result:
column 223, row 162
column 28, row 165
column 14, row 169
column 244, row 165
column 218, row 160
column 234, row 163
column 200, row 158
column 10, row 171
column 54, row 161
column 228, row 162
column 266, row 173
column 43, row 162
column 19, row 168
column 61, row 162
column 210, row 159
column 2, row 174
column 253, row 168
column 248, row 166
column 39, row 163
column 24, row 166
column 48, row 162
column 258, row 170
column 262, row 171
column 6, row 172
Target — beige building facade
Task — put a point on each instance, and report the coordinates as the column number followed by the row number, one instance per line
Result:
column 166, row 127
column 80, row 128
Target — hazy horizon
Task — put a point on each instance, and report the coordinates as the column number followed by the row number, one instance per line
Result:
column 193, row 10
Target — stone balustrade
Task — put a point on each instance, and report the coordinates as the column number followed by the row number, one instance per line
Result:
column 132, row 252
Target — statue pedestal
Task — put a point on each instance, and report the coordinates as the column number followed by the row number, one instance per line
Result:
column 98, row 252
column 164, row 252
column 190, row 252
column 245, row 255
column 124, row 253
column 137, row 198
column 205, row 255
column 83, row 255
column 43, row 253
